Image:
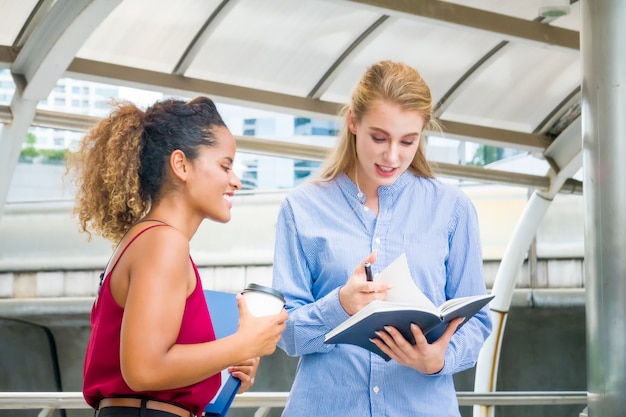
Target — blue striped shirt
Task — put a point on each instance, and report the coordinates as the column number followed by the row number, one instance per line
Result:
column 323, row 232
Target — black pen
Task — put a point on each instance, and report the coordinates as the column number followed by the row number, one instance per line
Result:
column 368, row 271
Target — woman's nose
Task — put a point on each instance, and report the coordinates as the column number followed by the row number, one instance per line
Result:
column 235, row 181
column 391, row 155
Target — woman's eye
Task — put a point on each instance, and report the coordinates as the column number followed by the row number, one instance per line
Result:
column 378, row 140
column 226, row 168
column 408, row 142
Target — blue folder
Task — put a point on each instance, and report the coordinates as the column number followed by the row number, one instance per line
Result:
column 225, row 317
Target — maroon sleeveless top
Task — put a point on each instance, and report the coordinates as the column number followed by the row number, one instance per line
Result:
column 102, row 376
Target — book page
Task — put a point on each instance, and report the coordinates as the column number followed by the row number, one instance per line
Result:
column 403, row 289
column 456, row 304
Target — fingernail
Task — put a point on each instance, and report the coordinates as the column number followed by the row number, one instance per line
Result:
column 372, row 340
column 387, row 328
column 377, row 333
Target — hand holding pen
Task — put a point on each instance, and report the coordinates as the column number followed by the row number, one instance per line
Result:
column 361, row 289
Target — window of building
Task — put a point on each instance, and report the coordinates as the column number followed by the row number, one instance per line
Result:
column 59, row 141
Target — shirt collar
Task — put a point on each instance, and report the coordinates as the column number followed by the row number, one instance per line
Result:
column 387, row 191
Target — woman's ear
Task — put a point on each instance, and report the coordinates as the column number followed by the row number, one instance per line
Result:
column 351, row 122
column 179, row 164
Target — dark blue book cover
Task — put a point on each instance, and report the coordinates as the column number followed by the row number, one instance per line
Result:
column 361, row 327
column 225, row 316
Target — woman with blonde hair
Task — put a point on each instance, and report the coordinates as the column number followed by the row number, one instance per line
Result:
column 146, row 180
column 377, row 197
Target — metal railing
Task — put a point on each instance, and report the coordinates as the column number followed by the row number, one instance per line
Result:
column 48, row 402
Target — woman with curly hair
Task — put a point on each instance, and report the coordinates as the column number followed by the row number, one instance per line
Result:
column 146, row 180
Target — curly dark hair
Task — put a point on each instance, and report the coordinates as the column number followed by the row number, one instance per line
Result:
column 121, row 164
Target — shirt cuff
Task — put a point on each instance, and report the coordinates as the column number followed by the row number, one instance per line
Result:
column 331, row 310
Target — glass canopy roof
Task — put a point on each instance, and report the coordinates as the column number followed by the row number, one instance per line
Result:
column 500, row 74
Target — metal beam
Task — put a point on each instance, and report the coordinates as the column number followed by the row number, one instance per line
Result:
column 567, row 154
column 271, row 147
column 179, row 85
column 7, row 56
column 173, row 84
column 318, row 153
column 54, row 42
column 474, row 71
column 18, row 308
column 54, row 120
column 565, row 147
column 531, row 142
column 510, row 28
column 11, row 139
column 75, row 400
column 36, row 17
column 201, row 37
column 464, row 172
column 67, row 121
column 335, row 69
column 46, row 52
column 562, row 115
column 603, row 62
column 293, row 150
column 453, row 130
column 6, row 116
column 42, row 309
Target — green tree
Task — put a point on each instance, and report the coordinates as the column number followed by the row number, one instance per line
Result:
column 54, row 155
column 28, row 153
column 31, row 139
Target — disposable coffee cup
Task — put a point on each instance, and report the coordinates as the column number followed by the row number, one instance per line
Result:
column 262, row 300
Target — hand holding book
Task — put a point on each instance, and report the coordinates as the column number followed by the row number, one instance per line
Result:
column 432, row 320
column 424, row 357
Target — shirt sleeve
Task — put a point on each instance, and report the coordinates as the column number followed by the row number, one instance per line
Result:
column 309, row 319
column 464, row 269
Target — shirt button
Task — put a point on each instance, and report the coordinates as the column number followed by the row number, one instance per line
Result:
column 366, row 208
column 377, row 240
column 376, row 389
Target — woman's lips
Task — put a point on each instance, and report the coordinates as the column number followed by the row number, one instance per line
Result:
column 385, row 171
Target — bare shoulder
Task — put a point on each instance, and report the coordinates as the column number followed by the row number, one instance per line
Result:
column 160, row 240
column 150, row 255
column 153, row 245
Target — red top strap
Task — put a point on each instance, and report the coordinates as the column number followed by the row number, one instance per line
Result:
column 131, row 242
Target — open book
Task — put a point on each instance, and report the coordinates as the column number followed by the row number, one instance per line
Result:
column 405, row 304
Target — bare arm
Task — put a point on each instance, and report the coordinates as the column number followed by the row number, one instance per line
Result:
column 160, row 279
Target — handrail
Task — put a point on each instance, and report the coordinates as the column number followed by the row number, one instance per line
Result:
column 75, row 400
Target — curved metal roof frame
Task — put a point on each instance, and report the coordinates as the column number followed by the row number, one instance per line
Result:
column 64, row 39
